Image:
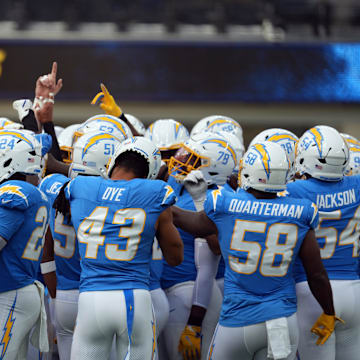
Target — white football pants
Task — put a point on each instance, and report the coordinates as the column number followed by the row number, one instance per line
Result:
column 33, row 353
column 19, row 311
column 344, row 343
column 161, row 313
column 66, row 308
column 248, row 342
column 161, row 309
column 180, row 298
column 220, row 284
column 121, row 313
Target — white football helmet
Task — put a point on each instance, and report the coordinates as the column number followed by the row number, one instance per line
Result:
column 144, row 147
column 58, row 130
column 104, row 123
column 236, row 144
column 218, row 123
column 65, row 140
column 285, row 138
column 322, row 153
column 351, row 140
column 6, row 123
column 209, row 152
column 136, row 123
column 20, row 152
column 353, row 166
column 92, row 153
column 167, row 134
column 264, row 167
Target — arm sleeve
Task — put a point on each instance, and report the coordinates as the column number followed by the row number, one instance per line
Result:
column 10, row 221
column 206, row 264
column 55, row 148
column 30, row 123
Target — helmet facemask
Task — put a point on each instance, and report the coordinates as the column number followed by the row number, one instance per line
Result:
column 185, row 161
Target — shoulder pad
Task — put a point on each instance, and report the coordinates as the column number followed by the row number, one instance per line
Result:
column 13, row 196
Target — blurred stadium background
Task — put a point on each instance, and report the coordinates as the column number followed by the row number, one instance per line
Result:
column 266, row 63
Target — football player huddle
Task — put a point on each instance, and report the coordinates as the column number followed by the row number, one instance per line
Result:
column 121, row 242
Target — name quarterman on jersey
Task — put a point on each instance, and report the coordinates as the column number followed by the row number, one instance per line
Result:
column 265, row 208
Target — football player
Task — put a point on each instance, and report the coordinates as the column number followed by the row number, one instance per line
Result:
column 91, row 154
column 168, row 135
column 285, row 138
column 224, row 124
column 65, row 140
column 321, row 159
column 194, row 301
column 260, row 236
column 24, row 213
column 115, row 227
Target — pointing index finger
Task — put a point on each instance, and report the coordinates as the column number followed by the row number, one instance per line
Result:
column 54, row 69
column 104, row 89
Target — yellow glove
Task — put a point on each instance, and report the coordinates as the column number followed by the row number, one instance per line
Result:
column 324, row 327
column 107, row 102
column 190, row 343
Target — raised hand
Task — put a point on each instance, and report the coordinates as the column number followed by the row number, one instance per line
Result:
column 47, row 86
column 107, row 102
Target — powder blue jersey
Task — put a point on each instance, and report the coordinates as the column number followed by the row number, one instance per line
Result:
column 115, row 226
column 259, row 240
column 157, row 262
column 339, row 219
column 24, row 213
column 156, row 266
column 66, row 247
column 186, row 271
column 175, row 185
column 221, row 268
column 228, row 187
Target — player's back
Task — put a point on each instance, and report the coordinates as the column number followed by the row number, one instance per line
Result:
column 339, row 216
column 115, row 225
column 259, row 239
column 66, row 248
column 24, row 212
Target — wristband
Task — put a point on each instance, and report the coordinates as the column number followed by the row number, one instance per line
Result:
column 48, row 267
column 48, row 100
column 40, row 101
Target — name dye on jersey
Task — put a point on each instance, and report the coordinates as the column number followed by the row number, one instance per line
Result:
column 115, row 224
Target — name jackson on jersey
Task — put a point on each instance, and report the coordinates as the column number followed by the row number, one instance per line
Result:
column 329, row 201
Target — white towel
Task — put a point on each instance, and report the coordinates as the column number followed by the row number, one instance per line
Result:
column 39, row 337
column 278, row 338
